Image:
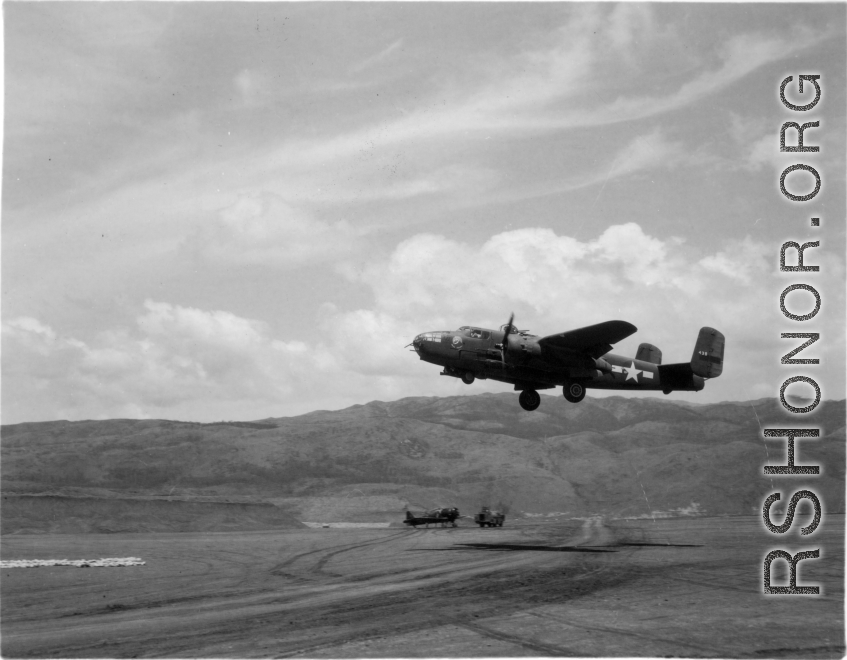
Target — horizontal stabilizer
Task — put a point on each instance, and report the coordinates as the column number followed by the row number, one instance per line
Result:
column 677, row 376
column 707, row 359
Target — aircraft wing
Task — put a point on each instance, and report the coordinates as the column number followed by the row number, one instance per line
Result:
column 592, row 340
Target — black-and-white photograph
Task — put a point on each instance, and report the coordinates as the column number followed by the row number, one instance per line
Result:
column 423, row 329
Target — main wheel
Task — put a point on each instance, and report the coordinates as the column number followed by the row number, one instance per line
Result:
column 468, row 377
column 529, row 399
column 574, row 391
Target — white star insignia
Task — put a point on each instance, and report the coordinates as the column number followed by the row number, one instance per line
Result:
column 632, row 372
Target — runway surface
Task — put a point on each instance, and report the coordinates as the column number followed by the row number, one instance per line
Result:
column 670, row 587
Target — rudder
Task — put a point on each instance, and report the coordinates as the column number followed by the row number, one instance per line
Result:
column 707, row 359
column 649, row 353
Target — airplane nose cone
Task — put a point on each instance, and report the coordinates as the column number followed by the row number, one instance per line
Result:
column 427, row 343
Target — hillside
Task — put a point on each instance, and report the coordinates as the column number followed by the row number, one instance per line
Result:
column 613, row 456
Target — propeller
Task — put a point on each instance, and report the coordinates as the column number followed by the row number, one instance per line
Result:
column 505, row 345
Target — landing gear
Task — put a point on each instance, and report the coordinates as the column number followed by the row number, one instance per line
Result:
column 529, row 399
column 574, row 392
column 468, row 377
column 666, row 391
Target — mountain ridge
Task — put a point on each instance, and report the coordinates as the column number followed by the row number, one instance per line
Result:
column 612, row 456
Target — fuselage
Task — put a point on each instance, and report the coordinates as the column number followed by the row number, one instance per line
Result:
column 526, row 364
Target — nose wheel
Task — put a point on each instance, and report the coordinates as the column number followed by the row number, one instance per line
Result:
column 574, row 392
column 468, row 377
column 529, row 399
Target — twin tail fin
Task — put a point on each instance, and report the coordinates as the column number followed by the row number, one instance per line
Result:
column 707, row 359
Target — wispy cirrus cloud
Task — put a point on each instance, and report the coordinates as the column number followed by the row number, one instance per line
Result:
column 556, row 89
column 644, row 152
column 375, row 59
column 262, row 229
column 551, row 93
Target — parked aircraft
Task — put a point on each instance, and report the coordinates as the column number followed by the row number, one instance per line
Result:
column 444, row 516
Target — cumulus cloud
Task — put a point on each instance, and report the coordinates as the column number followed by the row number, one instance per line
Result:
column 745, row 261
column 187, row 363
column 665, row 287
column 175, row 359
column 191, row 363
column 531, row 267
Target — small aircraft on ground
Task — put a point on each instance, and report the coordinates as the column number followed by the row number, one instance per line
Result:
column 444, row 516
column 576, row 360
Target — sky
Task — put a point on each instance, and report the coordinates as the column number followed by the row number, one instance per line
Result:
column 233, row 211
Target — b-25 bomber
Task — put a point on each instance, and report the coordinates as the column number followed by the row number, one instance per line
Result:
column 576, row 360
column 441, row 516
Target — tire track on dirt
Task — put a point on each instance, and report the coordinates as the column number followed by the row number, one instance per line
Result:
column 538, row 647
column 278, row 569
column 616, row 631
column 319, row 566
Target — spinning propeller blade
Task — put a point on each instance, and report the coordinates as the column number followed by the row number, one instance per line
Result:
column 508, row 329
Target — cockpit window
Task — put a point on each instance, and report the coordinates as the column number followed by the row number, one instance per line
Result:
column 474, row 333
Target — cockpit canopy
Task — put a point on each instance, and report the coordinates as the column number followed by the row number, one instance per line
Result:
column 479, row 333
column 474, row 333
column 515, row 331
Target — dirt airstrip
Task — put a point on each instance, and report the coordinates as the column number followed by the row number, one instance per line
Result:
column 672, row 587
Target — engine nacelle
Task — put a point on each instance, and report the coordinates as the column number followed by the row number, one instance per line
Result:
column 523, row 347
column 602, row 365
